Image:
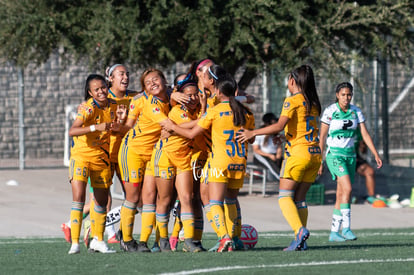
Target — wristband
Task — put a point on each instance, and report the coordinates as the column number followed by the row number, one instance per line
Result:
column 92, row 128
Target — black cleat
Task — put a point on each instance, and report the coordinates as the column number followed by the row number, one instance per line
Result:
column 165, row 245
column 130, row 246
column 143, row 247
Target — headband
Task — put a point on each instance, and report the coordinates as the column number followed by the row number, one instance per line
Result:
column 187, row 85
column 212, row 74
column 202, row 63
column 111, row 70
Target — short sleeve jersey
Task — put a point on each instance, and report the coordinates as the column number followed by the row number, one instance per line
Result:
column 147, row 130
column 301, row 130
column 176, row 143
column 116, row 138
column 136, row 105
column 343, row 127
column 228, row 156
column 93, row 145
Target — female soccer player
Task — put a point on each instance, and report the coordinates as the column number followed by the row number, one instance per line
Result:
column 228, row 162
column 299, row 118
column 134, row 157
column 90, row 158
column 340, row 123
column 172, row 158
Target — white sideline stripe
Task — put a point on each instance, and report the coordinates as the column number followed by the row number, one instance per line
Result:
column 271, row 235
column 239, row 267
column 30, row 241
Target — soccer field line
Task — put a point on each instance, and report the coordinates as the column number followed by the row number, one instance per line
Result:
column 324, row 234
column 307, row 264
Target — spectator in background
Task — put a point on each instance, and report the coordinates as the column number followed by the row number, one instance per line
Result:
column 266, row 152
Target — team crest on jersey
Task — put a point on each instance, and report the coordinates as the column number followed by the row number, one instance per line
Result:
column 184, row 116
column 156, row 110
column 286, row 105
column 78, row 171
column 132, row 106
column 353, row 115
column 89, row 110
column 134, row 174
column 341, row 169
column 163, row 174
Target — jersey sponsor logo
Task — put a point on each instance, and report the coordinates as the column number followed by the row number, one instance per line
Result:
column 236, row 167
column 228, row 113
column 286, row 105
column 156, row 110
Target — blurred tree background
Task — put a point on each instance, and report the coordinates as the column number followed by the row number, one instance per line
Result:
column 242, row 35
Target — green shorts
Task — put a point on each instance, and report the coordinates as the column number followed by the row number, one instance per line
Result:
column 341, row 166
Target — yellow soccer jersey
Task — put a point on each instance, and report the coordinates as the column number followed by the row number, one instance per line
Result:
column 94, row 145
column 229, row 156
column 136, row 105
column 175, row 143
column 302, row 130
column 116, row 138
column 147, row 130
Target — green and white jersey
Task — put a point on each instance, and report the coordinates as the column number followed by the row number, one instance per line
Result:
column 343, row 127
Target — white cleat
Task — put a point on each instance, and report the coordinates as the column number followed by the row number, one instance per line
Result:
column 74, row 249
column 100, row 246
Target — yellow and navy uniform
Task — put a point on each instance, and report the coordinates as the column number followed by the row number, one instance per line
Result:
column 137, row 145
column 302, row 141
column 116, row 138
column 228, row 156
column 171, row 156
column 90, row 152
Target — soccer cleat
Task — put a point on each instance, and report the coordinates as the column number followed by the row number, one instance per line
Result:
column 173, row 243
column 225, row 243
column 165, row 245
column 336, row 237
column 155, row 248
column 348, row 234
column 189, row 246
column 113, row 239
column 143, row 247
column 74, row 249
column 215, row 247
column 298, row 242
column 66, row 231
column 129, row 246
column 100, row 246
column 238, row 244
column 199, row 244
column 86, row 233
column 305, row 246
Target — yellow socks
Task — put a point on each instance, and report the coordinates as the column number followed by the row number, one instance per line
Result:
column 147, row 221
column 76, row 220
column 217, row 213
column 128, row 211
column 302, row 211
column 230, row 210
column 99, row 221
column 289, row 210
column 188, row 224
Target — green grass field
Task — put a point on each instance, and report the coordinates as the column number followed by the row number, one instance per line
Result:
column 375, row 252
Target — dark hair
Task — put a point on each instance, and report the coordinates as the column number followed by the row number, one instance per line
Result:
column 147, row 72
column 215, row 72
column 268, row 117
column 186, row 83
column 178, row 76
column 228, row 86
column 197, row 66
column 344, row 85
column 305, row 81
column 88, row 81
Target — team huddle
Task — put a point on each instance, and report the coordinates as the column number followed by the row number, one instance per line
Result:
column 183, row 150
